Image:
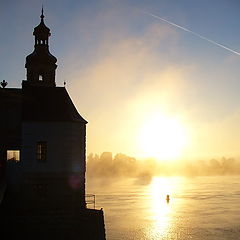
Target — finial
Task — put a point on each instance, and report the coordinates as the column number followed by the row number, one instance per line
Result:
column 42, row 16
column 3, row 84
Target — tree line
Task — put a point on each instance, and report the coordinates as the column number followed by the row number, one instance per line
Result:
column 121, row 165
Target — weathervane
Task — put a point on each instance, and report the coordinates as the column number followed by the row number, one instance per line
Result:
column 3, row 84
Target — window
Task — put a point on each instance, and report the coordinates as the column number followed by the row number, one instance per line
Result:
column 40, row 78
column 41, row 151
column 13, row 155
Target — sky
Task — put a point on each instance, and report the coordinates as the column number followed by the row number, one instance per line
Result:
column 124, row 68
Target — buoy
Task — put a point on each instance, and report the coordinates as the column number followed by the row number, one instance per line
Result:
column 167, row 198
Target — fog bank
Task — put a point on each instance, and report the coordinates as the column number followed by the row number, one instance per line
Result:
column 121, row 165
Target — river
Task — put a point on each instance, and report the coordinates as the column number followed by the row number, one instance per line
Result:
column 200, row 208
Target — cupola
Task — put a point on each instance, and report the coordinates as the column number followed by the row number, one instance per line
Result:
column 41, row 64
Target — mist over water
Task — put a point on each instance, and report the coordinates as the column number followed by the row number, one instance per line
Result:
column 204, row 197
column 121, row 165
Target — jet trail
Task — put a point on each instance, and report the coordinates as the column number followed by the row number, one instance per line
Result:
column 194, row 33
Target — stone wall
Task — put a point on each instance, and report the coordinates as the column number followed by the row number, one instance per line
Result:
column 66, row 143
column 57, row 184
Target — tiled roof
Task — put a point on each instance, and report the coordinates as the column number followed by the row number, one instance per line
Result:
column 41, row 103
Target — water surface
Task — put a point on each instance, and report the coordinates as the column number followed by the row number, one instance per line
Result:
column 206, row 208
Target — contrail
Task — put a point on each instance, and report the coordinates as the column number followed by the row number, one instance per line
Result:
column 194, row 33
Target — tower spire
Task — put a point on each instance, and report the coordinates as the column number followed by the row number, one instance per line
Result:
column 42, row 16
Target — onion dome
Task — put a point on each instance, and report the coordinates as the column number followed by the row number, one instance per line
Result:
column 42, row 31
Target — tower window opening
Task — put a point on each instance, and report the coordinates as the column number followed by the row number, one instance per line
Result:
column 41, row 151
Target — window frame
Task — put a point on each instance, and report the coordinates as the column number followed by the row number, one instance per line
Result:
column 13, row 159
column 41, row 151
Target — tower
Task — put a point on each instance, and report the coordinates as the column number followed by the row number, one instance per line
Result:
column 41, row 64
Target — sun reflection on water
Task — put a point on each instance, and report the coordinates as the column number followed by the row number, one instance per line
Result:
column 161, row 210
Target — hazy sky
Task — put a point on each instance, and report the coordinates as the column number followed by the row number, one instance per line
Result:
column 123, row 66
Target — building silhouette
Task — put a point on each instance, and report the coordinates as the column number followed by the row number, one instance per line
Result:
column 42, row 155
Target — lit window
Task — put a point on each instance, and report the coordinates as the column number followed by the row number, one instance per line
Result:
column 13, row 155
column 40, row 78
column 41, row 151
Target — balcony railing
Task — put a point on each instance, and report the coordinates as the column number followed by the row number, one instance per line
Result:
column 91, row 200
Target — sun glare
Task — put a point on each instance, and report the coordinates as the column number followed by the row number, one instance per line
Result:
column 162, row 137
column 162, row 210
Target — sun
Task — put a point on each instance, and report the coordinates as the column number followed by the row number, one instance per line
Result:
column 162, row 137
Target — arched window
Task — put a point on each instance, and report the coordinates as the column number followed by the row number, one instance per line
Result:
column 40, row 78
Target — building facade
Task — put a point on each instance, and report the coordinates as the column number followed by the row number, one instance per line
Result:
column 43, row 145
